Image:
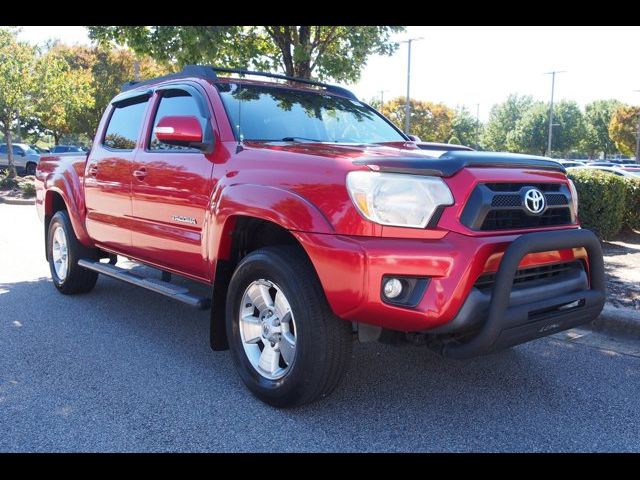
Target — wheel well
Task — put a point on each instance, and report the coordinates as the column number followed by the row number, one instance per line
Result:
column 53, row 203
column 247, row 234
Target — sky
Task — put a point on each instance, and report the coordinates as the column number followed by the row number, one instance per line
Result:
column 471, row 66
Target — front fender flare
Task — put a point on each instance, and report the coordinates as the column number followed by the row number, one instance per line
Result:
column 277, row 205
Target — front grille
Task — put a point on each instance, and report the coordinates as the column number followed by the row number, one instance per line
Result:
column 518, row 219
column 499, row 206
column 527, row 275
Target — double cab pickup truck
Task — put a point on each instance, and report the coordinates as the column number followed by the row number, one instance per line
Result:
column 316, row 222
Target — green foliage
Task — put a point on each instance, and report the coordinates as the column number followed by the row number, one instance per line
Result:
column 28, row 188
column 464, row 128
column 337, row 52
column 65, row 94
column 601, row 198
column 432, row 122
column 107, row 70
column 597, row 117
column 570, row 129
column 17, row 64
column 623, row 128
column 529, row 134
column 7, row 182
column 531, row 131
column 454, row 141
column 502, row 120
column 632, row 210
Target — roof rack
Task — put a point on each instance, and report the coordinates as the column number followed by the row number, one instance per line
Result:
column 208, row 72
column 200, row 71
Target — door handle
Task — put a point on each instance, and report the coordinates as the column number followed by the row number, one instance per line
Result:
column 140, row 174
column 93, row 170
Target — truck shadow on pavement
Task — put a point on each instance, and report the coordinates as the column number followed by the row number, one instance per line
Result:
column 130, row 326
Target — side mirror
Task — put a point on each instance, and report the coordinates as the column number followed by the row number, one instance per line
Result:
column 184, row 131
column 414, row 138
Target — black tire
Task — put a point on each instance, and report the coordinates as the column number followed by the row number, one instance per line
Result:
column 77, row 279
column 323, row 341
column 31, row 169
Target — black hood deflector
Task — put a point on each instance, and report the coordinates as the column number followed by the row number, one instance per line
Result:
column 452, row 162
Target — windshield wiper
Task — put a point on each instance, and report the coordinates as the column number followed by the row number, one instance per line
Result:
column 299, row 139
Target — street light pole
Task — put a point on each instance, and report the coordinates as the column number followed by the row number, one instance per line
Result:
column 407, row 107
column 638, row 136
column 553, row 84
column 382, row 98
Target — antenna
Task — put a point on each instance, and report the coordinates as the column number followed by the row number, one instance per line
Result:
column 239, row 147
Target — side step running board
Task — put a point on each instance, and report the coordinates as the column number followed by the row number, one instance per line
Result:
column 165, row 288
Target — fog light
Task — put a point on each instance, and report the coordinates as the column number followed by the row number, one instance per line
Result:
column 392, row 288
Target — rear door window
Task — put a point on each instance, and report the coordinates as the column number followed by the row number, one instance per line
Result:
column 124, row 125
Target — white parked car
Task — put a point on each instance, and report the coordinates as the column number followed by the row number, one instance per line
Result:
column 25, row 158
column 571, row 163
column 614, row 170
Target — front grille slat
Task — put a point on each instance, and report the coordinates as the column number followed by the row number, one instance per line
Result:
column 532, row 274
column 518, row 219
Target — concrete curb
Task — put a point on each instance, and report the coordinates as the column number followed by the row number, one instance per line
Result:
column 618, row 320
column 17, row 201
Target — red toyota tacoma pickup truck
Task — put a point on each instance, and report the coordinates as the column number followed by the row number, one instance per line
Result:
column 316, row 221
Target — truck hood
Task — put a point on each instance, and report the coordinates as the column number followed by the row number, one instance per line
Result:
column 404, row 157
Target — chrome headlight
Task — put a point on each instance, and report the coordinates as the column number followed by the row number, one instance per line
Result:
column 574, row 197
column 397, row 199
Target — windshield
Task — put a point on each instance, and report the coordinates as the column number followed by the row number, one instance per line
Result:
column 266, row 113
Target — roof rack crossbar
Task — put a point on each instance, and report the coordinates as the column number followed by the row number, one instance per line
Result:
column 208, row 72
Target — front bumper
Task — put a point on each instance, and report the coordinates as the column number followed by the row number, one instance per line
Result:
column 351, row 271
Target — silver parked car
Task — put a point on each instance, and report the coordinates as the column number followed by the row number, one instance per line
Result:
column 25, row 158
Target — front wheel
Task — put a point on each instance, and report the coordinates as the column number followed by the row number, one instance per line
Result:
column 287, row 345
column 31, row 169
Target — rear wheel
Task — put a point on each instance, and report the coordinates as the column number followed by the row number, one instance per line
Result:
column 64, row 250
column 31, row 169
column 288, row 346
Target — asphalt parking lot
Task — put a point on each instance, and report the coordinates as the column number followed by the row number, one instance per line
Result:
column 122, row 369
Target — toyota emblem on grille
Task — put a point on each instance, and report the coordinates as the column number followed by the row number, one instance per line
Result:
column 534, row 201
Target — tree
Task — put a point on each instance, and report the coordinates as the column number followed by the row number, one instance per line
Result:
column 597, row 117
column 17, row 63
column 502, row 120
column 65, row 94
column 337, row 52
column 432, row 122
column 530, row 132
column 464, row 128
column 570, row 128
column 108, row 70
column 623, row 128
